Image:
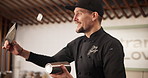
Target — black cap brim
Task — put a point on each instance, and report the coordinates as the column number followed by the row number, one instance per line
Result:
column 72, row 8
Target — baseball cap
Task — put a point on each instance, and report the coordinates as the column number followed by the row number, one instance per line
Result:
column 92, row 5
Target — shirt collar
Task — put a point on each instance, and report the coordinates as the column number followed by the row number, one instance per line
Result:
column 95, row 35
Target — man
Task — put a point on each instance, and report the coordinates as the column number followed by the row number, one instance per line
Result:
column 96, row 54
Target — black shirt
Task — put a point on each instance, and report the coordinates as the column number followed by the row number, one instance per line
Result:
column 100, row 56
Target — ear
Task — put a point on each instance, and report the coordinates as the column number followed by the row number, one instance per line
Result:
column 94, row 16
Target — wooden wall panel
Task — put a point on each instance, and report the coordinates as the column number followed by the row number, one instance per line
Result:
column 4, row 56
column 0, row 38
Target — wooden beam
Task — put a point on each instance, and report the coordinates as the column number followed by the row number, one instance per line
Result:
column 128, row 6
column 118, row 6
column 17, row 14
column 11, row 15
column 42, row 11
column 110, row 8
column 32, row 11
column 67, row 11
column 108, row 15
column 56, row 12
column 64, row 11
column 104, row 18
column 141, row 10
column 21, row 12
column 71, row 3
column 28, row 12
column 51, row 7
column 125, row 7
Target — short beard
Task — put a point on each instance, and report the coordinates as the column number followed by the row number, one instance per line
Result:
column 81, row 30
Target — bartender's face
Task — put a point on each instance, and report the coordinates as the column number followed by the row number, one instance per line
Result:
column 83, row 19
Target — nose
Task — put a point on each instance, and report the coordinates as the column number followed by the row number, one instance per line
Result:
column 75, row 18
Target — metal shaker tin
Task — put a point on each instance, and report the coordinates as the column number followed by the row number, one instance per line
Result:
column 55, row 67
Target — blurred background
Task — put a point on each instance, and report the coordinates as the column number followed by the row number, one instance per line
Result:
column 45, row 27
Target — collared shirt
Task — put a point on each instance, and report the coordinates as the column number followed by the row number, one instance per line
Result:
column 100, row 56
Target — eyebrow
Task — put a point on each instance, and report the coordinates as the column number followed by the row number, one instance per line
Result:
column 81, row 11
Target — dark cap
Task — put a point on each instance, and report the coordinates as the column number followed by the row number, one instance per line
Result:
column 92, row 5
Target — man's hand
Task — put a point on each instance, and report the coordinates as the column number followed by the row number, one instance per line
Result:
column 13, row 47
column 65, row 73
column 16, row 49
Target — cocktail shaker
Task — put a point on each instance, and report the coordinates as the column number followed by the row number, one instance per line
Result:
column 55, row 67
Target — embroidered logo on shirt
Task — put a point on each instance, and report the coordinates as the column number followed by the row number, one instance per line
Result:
column 93, row 49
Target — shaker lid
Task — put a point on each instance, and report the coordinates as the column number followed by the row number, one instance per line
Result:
column 48, row 68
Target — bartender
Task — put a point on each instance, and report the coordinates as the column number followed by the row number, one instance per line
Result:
column 96, row 54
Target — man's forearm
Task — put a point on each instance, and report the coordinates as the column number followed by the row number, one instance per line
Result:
column 25, row 54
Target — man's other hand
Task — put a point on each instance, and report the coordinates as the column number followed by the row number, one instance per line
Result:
column 64, row 74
